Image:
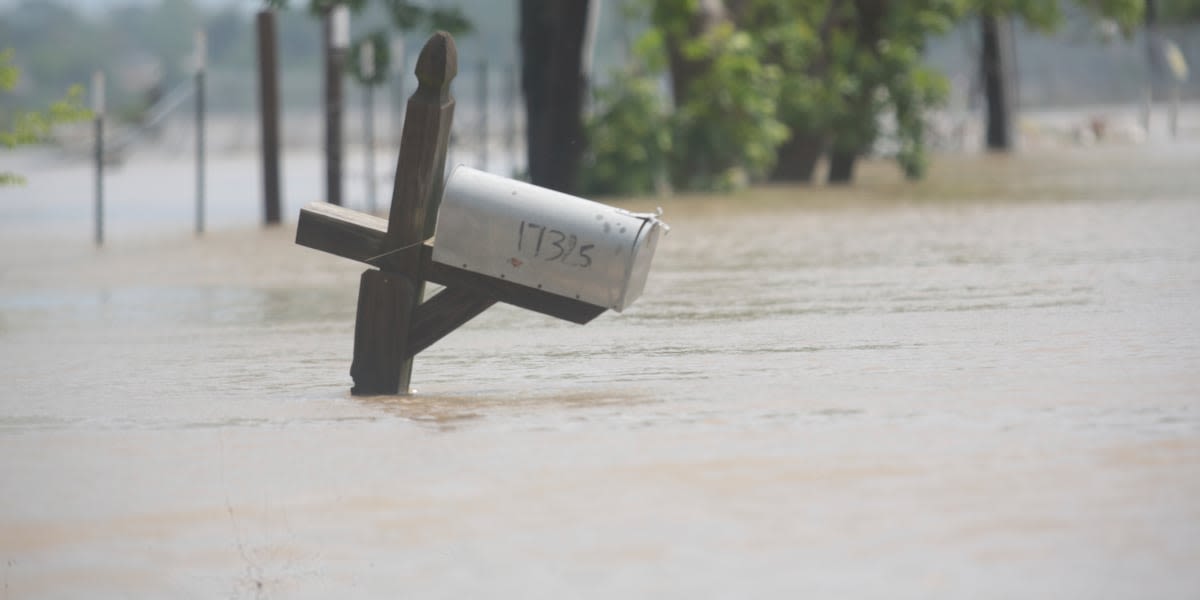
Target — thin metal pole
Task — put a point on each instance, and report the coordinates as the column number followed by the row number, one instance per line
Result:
column 99, row 179
column 200, row 51
column 369, row 141
column 1173, row 111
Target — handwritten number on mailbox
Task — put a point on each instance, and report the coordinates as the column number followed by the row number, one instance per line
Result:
column 583, row 254
column 568, row 250
column 558, row 244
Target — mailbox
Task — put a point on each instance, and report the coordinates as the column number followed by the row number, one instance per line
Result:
column 544, row 239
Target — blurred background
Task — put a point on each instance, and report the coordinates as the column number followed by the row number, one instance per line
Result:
column 635, row 96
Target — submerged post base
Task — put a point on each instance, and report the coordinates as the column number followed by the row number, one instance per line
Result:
column 385, row 306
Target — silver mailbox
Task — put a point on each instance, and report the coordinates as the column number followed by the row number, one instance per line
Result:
column 544, row 239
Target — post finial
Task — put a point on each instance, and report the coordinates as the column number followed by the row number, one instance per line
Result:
column 438, row 62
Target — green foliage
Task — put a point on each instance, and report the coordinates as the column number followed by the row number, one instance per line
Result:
column 909, row 88
column 629, row 138
column 408, row 16
column 31, row 127
column 723, row 131
column 839, row 88
column 726, row 129
column 319, row 7
column 1046, row 15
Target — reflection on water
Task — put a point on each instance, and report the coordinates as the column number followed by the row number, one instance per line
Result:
column 985, row 381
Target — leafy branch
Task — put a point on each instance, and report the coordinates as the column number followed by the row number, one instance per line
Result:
column 31, row 127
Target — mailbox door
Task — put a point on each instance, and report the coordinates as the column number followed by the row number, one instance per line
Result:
column 639, row 267
column 543, row 239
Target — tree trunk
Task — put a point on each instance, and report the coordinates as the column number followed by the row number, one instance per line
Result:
column 684, row 71
column 844, row 155
column 553, row 83
column 797, row 158
column 841, row 166
column 997, row 82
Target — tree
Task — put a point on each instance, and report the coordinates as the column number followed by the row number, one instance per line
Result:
column 798, row 37
column 749, row 77
column 553, row 83
column 890, row 83
column 720, row 131
column 725, row 125
column 996, row 67
column 30, row 127
column 850, row 66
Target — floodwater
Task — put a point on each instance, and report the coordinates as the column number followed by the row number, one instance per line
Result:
column 985, row 385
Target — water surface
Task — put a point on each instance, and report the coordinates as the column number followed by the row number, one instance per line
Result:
column 983, row 385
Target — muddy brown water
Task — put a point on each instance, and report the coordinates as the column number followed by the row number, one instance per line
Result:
column 984, row 385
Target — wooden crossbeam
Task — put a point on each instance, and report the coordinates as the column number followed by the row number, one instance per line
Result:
column 444, row 312
column 357, row 236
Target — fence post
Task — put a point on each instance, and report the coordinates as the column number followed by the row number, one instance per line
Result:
column 201, row 50
column 483, row 115
column 98, row 110
column 366, row 67
column 268, row 102
column 510, row 118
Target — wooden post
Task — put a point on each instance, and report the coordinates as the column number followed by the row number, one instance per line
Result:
column 393, row 325
column 385, row 306
column 335, row 29
column 268, row 101
column 386, row 300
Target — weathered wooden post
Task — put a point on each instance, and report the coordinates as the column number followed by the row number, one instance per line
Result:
column 335, row 23
column 500, row 241
column 386, row 300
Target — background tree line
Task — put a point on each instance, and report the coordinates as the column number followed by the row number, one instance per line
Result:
column 714, row 95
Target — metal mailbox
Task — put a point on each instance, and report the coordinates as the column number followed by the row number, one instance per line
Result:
column 544, row 239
